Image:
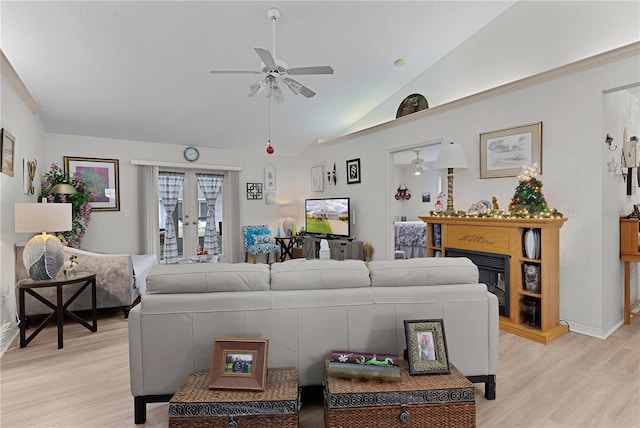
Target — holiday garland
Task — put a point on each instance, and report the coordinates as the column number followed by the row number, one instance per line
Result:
column 80, row 207
column 527, row 202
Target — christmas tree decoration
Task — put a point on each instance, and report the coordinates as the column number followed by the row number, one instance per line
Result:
column 528, row 198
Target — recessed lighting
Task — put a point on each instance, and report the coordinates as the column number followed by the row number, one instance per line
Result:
column 399, row 62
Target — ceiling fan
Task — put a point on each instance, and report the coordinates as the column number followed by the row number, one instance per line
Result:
column 417, row 164
column 277, row 72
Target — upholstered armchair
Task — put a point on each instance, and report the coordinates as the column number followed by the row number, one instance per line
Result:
column 258, row 240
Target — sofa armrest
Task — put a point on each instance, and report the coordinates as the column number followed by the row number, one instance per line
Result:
column 135, row 351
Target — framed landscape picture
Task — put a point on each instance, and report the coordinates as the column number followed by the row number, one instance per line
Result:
column 101, row 175
column 503, row 153
column 238, row 364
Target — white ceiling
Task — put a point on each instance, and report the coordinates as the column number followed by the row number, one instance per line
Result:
column 139, row 70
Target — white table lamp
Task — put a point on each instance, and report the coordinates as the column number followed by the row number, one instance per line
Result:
column 43, row 256
column 451, row 156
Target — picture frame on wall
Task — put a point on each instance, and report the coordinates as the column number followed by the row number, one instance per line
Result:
column 239, row 363
column 503, row 153
column 317, row 178
column 7, row 149
column 269, row 178
column 102, row 178
column 426, row 347
column 353, row 171
column 254, row 191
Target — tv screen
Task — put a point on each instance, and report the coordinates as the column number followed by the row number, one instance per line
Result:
column 327, row 216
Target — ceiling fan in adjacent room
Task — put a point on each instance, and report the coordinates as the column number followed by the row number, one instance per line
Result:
column 417, row 164
column 276, row 72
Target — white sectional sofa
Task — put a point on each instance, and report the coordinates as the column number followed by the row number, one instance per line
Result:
column 305, row 309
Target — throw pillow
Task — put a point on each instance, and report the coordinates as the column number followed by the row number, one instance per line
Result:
column 261, row 239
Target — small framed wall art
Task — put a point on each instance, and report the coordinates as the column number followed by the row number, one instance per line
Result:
column 353, row 171
column 7, row 149
column 254, row 190
column 238, row 364
column 317, row 178
column 269, row 178
column 426, row 347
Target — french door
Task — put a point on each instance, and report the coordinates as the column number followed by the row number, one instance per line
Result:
column 190, row 213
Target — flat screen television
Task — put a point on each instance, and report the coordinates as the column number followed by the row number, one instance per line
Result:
column 328, row 216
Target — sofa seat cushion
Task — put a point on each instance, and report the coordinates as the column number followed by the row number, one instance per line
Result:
column 319, row 274
column 207, row 278
column 423, row 271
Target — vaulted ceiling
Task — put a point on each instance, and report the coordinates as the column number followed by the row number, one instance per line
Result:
column 138, row 70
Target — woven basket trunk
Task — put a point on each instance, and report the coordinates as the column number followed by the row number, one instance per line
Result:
column 195, row 405
column 446, row 400
column 241, row 421
column 420, row 416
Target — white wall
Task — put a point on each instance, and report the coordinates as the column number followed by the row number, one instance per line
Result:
column 113, row 232
column 528, row 38
column 571, row 110
column 427, row 182
column 28, row 131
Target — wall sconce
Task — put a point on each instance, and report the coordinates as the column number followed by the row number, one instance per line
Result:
column 331, row 175
column 608, row 140
column 402, row 194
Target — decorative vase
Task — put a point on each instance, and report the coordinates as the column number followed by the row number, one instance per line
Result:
column 532, row 278
column 532, row 244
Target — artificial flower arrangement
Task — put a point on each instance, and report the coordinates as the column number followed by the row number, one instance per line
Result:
column 80, row 206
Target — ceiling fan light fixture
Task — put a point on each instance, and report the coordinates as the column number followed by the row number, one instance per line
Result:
column 418, row 170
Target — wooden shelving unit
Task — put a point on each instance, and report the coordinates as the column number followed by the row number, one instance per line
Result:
column 506, row 237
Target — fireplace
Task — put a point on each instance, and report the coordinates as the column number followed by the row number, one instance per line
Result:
column 493, row 270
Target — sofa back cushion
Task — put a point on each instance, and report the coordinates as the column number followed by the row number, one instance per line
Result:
column 207, row 278
column 319, row 274
column 423, row 271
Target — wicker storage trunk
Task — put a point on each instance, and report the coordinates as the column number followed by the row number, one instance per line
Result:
column 416, row 402
column 194, row 405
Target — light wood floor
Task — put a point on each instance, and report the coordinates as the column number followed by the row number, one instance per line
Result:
column 578, row 381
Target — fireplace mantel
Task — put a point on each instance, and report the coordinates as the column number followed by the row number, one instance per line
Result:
column 505, row 236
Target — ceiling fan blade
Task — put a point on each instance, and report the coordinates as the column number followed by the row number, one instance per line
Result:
column 234, row 72
column 298, row 87
column 266, row 58
column 321, row 69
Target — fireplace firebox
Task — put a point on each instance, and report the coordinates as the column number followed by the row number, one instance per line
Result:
column 493, row 271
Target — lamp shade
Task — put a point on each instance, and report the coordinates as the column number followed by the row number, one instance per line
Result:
column 42, row 218
column 451, row 156
column 43, row 256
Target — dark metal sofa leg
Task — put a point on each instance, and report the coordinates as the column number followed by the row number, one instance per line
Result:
column 490, row 388
column 139, row 410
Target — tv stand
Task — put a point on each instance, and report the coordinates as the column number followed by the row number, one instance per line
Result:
column 339, row 248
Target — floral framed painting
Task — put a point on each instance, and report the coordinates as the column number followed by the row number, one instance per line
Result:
column 238, row 363
column 101, row 176
column 426, row 347
column 503, row 153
